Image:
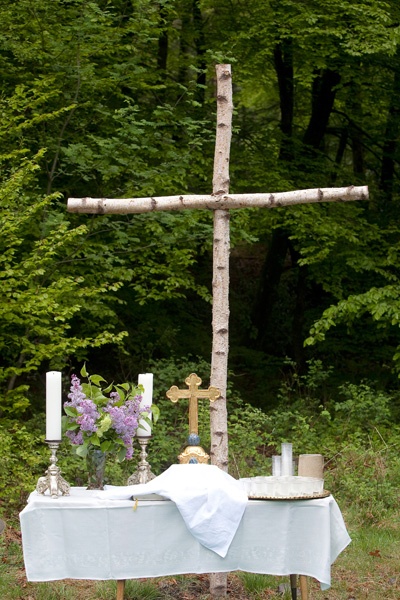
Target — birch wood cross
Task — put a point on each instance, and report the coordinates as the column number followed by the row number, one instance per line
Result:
column 220, row 202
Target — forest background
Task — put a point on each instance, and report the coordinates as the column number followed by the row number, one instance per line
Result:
column 117, row 99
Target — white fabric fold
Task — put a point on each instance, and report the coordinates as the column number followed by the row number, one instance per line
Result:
column 210, row 501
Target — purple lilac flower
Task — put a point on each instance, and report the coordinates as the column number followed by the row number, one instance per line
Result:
column 117, row 415
column 87, row 409
column 76, row 394
column 129, row 452
column 86, row 423
column 125, row 420
column 75, row 438
column 115, row 397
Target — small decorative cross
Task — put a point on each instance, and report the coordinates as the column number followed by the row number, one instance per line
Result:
column 193, row 393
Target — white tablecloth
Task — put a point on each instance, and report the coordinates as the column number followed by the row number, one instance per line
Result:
column 84, row 537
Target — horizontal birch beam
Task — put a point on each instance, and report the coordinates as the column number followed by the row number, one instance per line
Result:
column 219, row 202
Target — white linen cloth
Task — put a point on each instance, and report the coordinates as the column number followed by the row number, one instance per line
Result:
column 84, row 537
column 210, row 501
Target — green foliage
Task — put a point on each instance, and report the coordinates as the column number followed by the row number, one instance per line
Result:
column 23, row 459
column 366, row 475
column 356, row 430
column 365, row 406
column 122, row 98
column 38, row 301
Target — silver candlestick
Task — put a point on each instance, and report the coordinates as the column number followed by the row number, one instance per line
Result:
column 143, row 473
column 53, row 481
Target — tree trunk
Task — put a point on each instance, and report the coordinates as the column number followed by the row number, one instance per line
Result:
column 355, row 131
column 268, row 289
column 192, row 49
column 323, row 97
column 200, row 44
column 299, row 310
column 343, row 138
column 278, row 248
column 184, row 47
column 283, row 59
column 162, row 53
column 357, row 148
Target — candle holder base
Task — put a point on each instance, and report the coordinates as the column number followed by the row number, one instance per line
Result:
column 143, row 473
column 52, row 481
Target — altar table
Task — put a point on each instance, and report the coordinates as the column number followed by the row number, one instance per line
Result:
column 84, row 537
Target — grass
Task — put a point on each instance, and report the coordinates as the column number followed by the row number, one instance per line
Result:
column 367, row 569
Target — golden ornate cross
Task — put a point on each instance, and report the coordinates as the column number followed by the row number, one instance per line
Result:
column 193, row 393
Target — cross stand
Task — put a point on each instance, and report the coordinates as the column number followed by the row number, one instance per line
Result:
column 193, row 453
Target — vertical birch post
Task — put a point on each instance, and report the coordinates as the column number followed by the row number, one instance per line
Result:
column 220, row 285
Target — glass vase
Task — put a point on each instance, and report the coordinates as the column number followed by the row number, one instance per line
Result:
column 96, row 465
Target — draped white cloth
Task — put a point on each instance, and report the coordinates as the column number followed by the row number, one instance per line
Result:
column 210, row 501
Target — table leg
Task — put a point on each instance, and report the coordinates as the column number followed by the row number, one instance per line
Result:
column 293, row 586
column 303, row 587
column 120, row 589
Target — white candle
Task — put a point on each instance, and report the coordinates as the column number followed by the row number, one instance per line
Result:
column 53, row 405
column 146, row 380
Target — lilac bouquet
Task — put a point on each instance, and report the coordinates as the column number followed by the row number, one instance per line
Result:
column 106, row 419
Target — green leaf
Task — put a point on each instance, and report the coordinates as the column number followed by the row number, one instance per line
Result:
column 96, row 379
column 121, row 392
column 73, row 427
column 95, row 440
column 121, row 454
column 82, row 451
column 106, row 446
column 71, row 411
column 125, row 386
column 155, row 412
